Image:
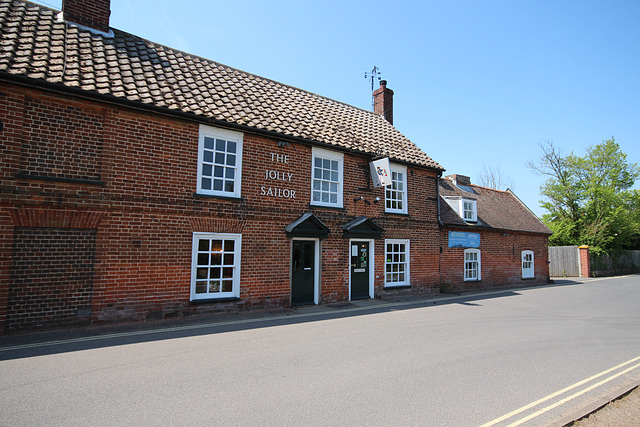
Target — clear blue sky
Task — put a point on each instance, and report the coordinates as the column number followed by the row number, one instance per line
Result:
column 475, row 82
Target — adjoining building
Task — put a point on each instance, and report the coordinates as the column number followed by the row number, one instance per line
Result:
column 141, row 182
column 489, row 238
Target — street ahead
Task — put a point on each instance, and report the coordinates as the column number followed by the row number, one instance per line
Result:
column 526, row 356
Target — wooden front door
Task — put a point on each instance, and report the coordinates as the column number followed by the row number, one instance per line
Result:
column 360, row 270
column 303, row 272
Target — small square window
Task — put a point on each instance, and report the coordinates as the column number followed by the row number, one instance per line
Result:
column 469, row 210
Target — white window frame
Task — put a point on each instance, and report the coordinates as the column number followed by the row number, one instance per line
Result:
column 473, row 211
column 478, row 269
column 406, row 263
column 331, row 156
column 222, row 134
column 392, row 190
column 195, row 266
column 530, row 272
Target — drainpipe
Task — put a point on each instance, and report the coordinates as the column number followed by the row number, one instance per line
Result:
column 439, row 230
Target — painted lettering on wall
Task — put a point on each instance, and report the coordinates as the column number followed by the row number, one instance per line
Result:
column 279, row 177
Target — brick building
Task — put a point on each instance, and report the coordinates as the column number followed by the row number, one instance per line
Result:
column 140, row 182
column 489, row 238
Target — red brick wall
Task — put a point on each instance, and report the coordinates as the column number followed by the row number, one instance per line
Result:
column 52, row 273
column 501, row 260
column 145, row 209
column 61, row 140
column 90, row 13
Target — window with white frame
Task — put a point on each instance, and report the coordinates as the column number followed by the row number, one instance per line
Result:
column 219, row 162
column 471, row 264
column 326, row 178
column 469, row 210
column 396, row 264
column 215, row 266
column 528, row 270
column 396, row 193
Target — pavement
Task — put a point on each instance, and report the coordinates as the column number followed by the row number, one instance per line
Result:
column 620, row 408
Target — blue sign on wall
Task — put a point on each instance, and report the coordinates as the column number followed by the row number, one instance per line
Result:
column 462, row 239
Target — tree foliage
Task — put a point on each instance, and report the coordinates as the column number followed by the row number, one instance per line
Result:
column 589, row 199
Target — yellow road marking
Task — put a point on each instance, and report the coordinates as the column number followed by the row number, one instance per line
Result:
column 564, row 390
column 573, row 396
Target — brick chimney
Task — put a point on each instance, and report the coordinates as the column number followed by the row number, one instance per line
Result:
column 383, row 101
column 459, row 179
column 89, row 13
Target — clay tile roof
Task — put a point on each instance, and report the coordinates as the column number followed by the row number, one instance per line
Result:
column 32, row 45
column 501, row 210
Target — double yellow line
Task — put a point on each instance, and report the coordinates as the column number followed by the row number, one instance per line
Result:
column 564, row 390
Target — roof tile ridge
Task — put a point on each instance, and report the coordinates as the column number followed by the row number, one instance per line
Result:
column 489, row 188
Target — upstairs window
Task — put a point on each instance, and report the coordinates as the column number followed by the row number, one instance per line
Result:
column 471, row 264
column 528, row 271
column 219, row 162
column 465, row 208
column 396, row 193
column 326, row 178
column 469, row 210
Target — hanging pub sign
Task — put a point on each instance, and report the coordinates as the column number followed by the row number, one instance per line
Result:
column 380, row 172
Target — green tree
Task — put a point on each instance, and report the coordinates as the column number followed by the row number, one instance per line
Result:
column 589, row 199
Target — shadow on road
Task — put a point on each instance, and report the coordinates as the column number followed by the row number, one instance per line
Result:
column 55, row 342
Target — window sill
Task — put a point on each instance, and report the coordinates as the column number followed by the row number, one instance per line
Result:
column 472, row 280
column 396, row 287
column 215, row 196
column 214, row 300
column 337, row 208
column 397, row 213
column 57, row 179
column 529, row 278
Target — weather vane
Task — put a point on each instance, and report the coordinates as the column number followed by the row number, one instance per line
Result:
column 373, row 75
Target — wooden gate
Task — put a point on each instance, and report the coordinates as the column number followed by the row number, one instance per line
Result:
column 564, row 261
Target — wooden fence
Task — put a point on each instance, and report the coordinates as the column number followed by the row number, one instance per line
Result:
column 564, row 261
column 626, row 262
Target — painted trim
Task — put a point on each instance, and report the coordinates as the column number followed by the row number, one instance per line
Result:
column 330, row 155
column 227, row 135
column 407, row 282
column 235, row 293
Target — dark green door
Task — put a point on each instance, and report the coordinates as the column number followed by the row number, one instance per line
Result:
column 359, row 270
column 303, row 272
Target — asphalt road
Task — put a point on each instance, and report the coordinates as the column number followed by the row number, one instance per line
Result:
column 522, row 357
